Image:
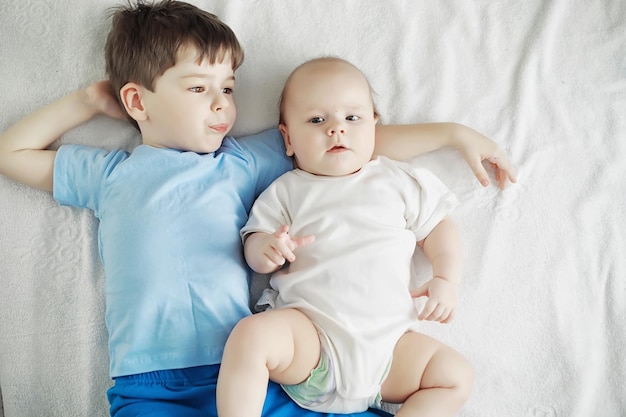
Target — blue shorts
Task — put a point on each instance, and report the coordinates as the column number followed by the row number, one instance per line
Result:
column 190, row 392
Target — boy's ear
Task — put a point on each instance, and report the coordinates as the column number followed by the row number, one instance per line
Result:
column 131, row 99
column 285, row 132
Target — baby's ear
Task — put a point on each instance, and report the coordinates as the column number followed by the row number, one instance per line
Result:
column 130, row 94
column 285, row 132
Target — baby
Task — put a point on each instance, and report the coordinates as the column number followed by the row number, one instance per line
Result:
column 341, row 230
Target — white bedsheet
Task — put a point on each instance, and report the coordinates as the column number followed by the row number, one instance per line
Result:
column 543, row 304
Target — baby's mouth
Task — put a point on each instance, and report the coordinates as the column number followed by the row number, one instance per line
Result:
column 337, row 148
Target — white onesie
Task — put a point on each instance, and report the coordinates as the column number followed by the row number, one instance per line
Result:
column 353, row 280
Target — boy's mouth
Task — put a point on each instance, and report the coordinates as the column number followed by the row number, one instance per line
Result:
column 219, row 128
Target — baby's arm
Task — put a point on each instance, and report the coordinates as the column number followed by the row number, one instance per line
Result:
column 443, row 248
column 402, row 142
column 267, row 252
column 23, row 153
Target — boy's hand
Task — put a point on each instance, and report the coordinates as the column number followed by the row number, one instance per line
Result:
column 442, row 299
column 279, row 246
column 101, row 97
column 477, row 148
column 503, row 169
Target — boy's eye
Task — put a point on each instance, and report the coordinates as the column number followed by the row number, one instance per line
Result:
column 352, row 118
column 316, row 120
column 227, row 90
column 196, row 89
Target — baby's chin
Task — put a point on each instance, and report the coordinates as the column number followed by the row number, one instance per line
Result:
column 337, row 172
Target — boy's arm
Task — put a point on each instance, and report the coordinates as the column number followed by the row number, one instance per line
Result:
column 443, row 248
column 402, row 142
column 23, row 153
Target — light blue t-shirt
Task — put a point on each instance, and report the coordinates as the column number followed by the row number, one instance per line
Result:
column 176, row 279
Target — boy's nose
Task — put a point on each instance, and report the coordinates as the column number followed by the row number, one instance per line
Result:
column 219, row 103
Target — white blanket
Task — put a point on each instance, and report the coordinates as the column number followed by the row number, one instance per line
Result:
column 543, row 305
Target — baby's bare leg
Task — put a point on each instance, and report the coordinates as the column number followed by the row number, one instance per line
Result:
column 281, row 345
column 430, row 378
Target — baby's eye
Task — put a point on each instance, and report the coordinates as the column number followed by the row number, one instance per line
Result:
column 196, row 89
column 352, row 118
column 227, row 90
column 316, row 120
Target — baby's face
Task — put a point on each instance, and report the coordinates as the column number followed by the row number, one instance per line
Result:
column 329, row 120
column 191, row 107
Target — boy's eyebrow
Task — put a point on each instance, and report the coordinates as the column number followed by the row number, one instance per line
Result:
column 204, row 75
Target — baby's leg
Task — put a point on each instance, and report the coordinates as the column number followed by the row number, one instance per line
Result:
column 430, row 378
column 281, row 345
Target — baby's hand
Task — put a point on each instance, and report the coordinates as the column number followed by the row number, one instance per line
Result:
column 442, row 299
column 280, row 246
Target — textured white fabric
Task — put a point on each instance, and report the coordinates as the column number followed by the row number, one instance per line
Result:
column 543, row 303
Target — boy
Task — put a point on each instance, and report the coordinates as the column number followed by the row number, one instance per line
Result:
column 343, row 335
column 170, row 211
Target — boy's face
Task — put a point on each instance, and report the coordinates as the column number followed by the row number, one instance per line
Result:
column 329, row 119
column 191, row 107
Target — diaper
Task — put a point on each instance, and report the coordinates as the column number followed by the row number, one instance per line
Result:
column 319, row 392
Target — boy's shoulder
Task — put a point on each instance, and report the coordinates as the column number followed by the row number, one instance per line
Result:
column 266, row 147
column 269, row 137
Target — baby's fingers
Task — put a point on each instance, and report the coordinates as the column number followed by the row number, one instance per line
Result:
column 437, row 313
column 427, row 310
column 434, row 311
column 282, row 230
column 284, row 244
column 449, row 318
column 302, row 241
column 283, row 249
column 275, row 257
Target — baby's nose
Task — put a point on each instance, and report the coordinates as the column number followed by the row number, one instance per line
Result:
column 333, row 130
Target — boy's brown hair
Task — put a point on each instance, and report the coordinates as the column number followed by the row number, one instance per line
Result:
column 145, row 39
